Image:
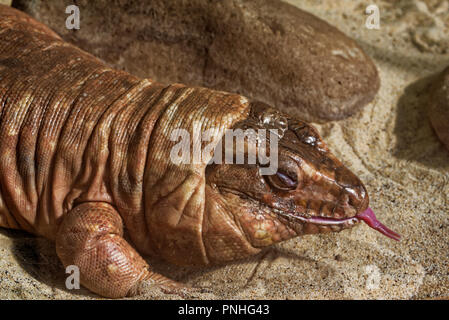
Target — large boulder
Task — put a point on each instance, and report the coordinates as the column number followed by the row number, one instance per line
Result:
column 265, row 49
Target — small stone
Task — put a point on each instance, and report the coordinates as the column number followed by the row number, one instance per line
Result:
column 439, row 107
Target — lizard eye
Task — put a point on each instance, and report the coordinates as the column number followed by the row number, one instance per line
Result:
column 282, row 181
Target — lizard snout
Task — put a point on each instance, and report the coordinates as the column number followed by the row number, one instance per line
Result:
column 353, row 192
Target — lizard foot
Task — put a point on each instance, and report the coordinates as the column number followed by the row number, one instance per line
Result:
column 91, row 238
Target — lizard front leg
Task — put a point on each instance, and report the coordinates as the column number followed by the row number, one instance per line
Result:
column 91, row 237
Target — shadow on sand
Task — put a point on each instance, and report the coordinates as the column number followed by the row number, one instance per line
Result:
column 416, row 139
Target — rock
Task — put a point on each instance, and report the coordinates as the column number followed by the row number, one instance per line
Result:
column 266, row 50
column 439, row 107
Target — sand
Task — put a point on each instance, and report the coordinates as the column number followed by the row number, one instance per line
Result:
column 390, row 145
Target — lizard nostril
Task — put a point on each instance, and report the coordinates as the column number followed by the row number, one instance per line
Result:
column 345, row 178
column 354, row 193
column 357, row 197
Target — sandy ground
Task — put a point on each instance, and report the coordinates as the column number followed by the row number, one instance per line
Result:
column 390, row 145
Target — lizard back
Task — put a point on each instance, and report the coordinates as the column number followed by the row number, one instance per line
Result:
column 75, row 130
column 58, row 105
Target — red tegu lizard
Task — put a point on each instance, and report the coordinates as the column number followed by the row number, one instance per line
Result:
column 84, row 158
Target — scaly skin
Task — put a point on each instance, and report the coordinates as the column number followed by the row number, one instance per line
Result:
column 84, row 153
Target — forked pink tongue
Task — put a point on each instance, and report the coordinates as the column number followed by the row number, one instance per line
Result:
column 370, row 219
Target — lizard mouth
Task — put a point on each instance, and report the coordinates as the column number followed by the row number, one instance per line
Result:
column 366, row 216
column 326, row 224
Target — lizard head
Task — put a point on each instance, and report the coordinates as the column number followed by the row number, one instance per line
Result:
column 310, row 192
column 231, row 202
